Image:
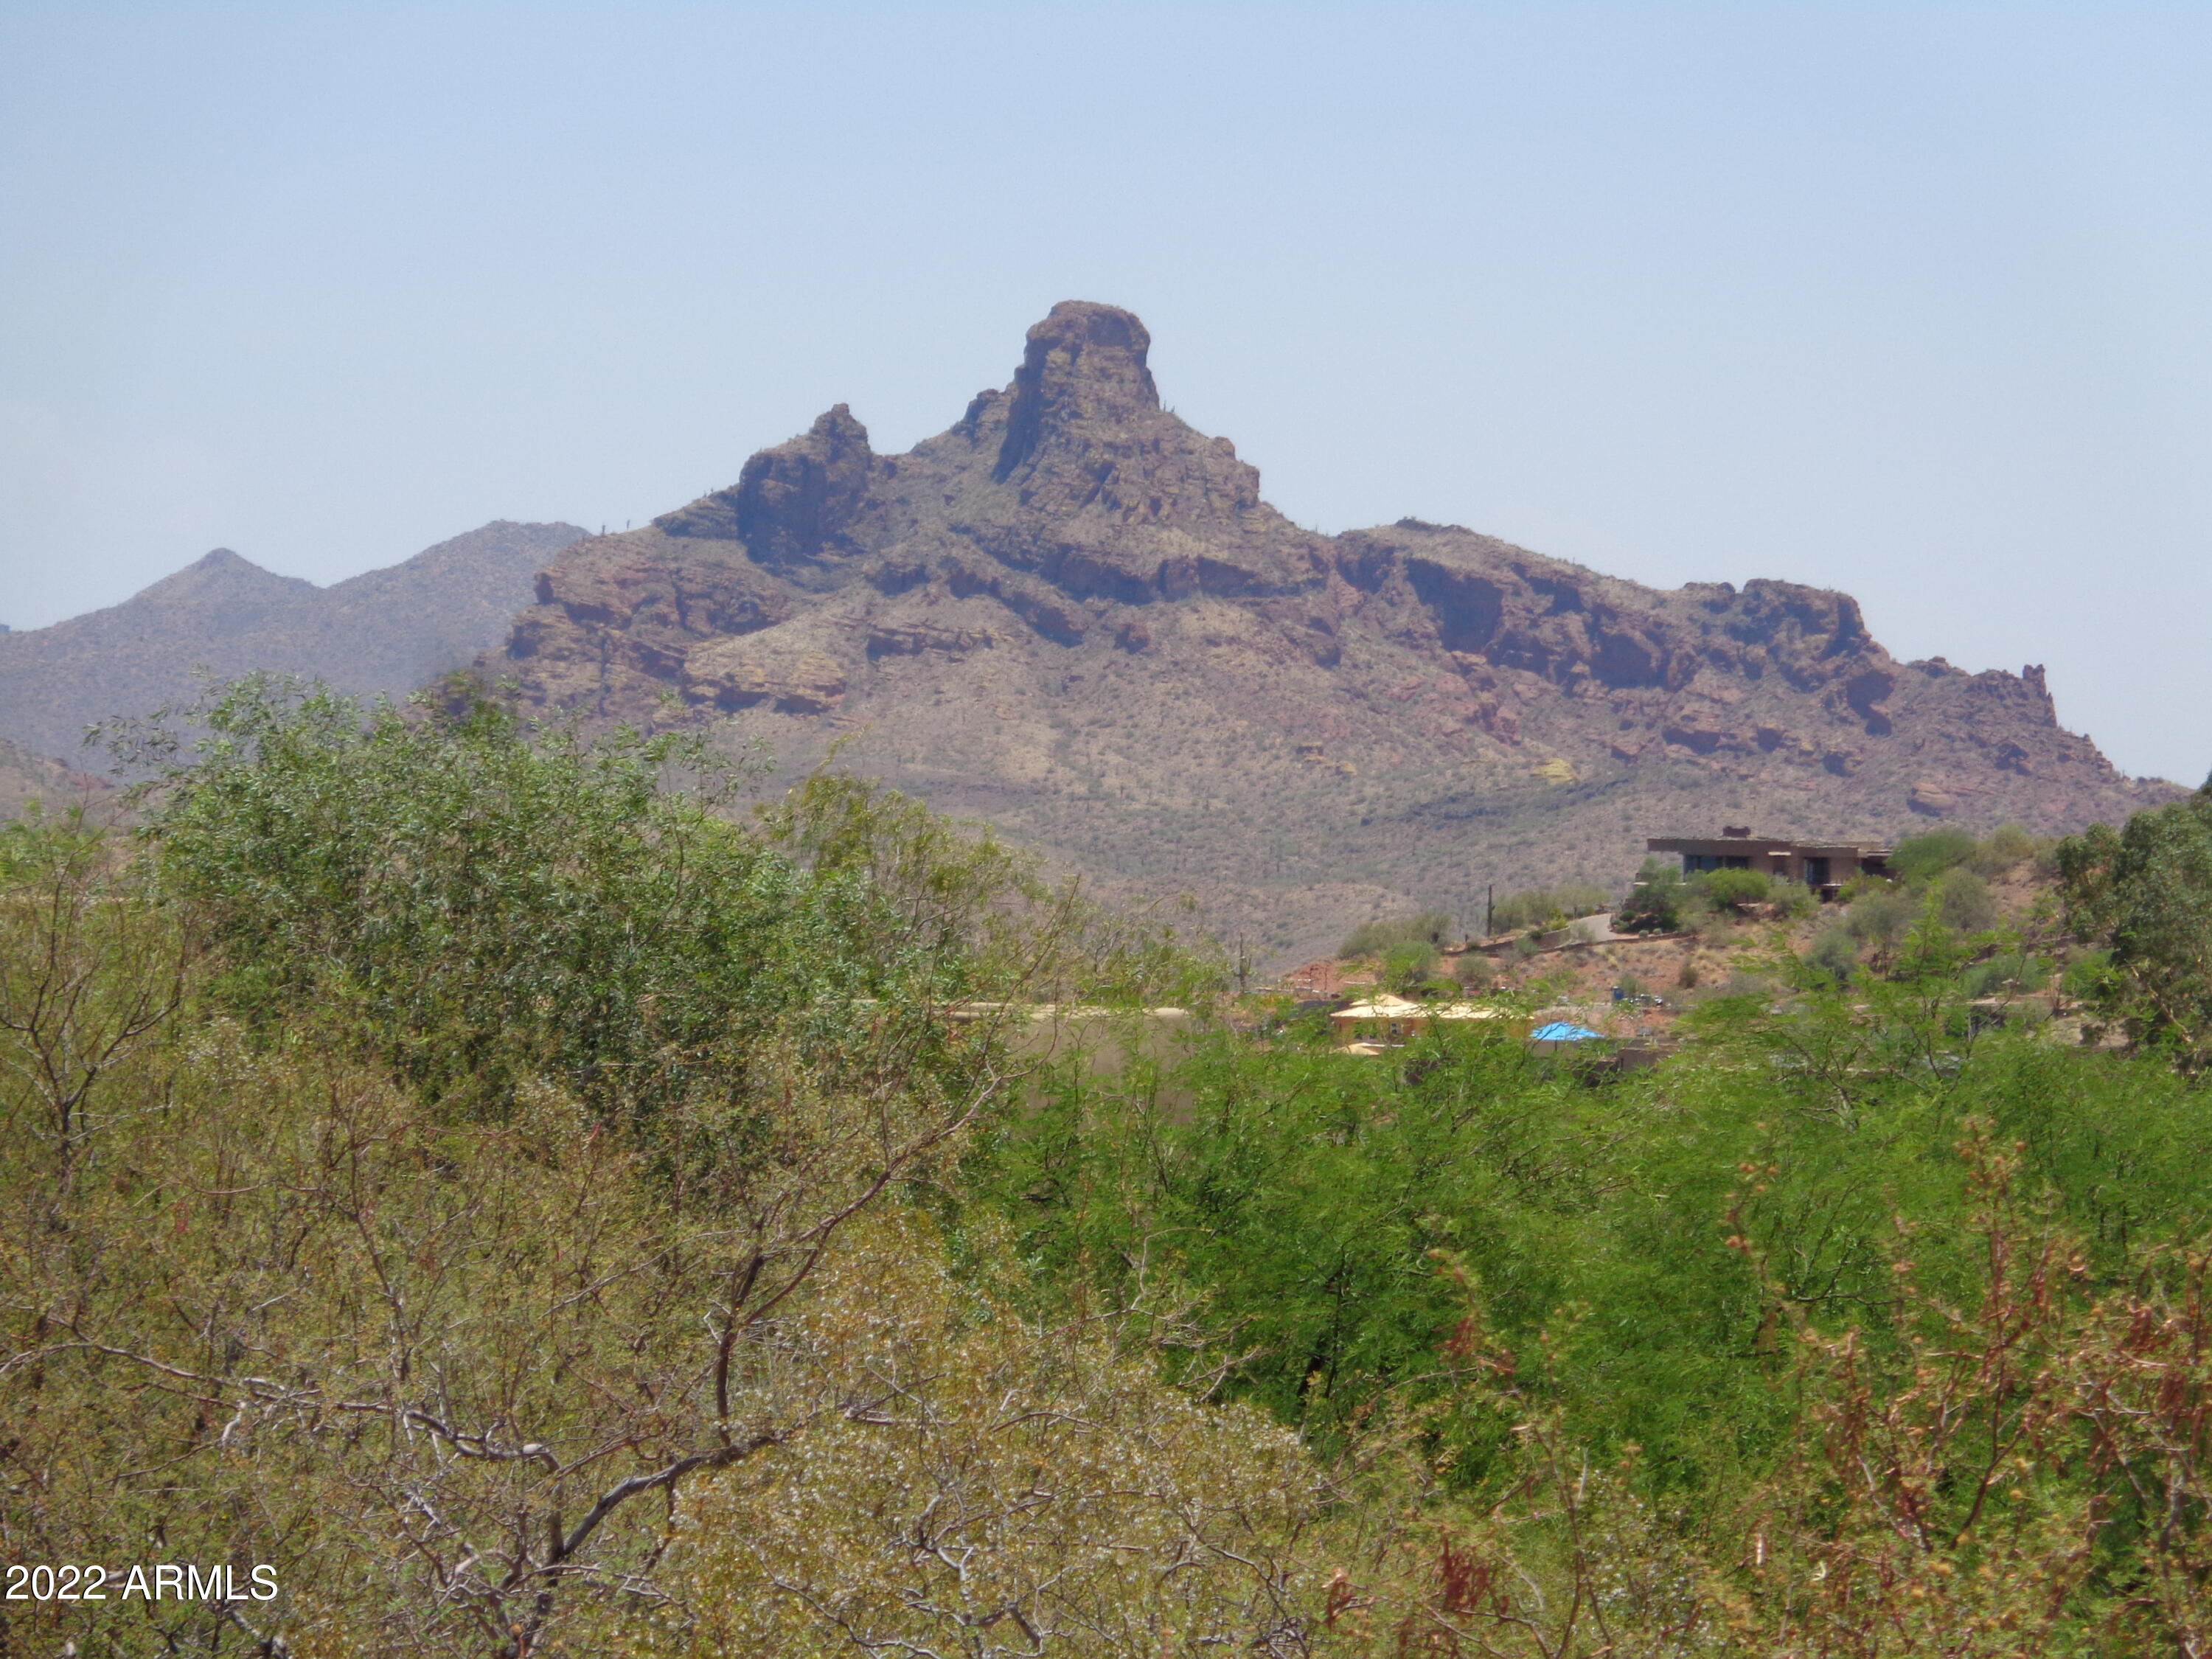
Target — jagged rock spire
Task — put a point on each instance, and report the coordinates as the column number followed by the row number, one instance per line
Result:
column 1084, row 363
column 793, row 503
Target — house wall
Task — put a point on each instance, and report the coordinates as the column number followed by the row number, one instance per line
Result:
column 1788, row 859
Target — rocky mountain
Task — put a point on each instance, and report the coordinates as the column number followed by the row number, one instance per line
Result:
column 389, row 631
column 1073, row 615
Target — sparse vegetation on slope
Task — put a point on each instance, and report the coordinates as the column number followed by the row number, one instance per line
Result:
column 445, row 1164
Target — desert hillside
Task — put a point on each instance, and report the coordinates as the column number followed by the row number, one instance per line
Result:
column 25, row 777
column 387, row 630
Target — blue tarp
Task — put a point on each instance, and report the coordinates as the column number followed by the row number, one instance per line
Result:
column 1561, row 1031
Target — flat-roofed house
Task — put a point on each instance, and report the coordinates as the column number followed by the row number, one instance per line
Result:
column 1822, row 865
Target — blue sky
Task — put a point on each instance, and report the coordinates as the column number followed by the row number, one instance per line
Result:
column 1907, row 300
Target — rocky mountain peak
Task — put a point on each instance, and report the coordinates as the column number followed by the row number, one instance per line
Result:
column 221, row 577
column 1084, row 366
column 794, row 505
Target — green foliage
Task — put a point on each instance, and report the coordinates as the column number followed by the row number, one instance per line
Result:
column 1880, row 916
column 1968, row 904
column 1406, row 968
column 1917, row 858
column 1790, row 899
column 485, row 902
column 2008, row 973
column 1302, row 1193
column 2088, row 977
column 1542, row 907
column 1374, row 938
column 453, row 1162
column 1657, row 903
column 1729, row 889
column 1862, row 885
column 2006, row 847
column 1723, row 889
column 444, row 1145
column 2144, row 893
column 89, row 972
column 1834, row 952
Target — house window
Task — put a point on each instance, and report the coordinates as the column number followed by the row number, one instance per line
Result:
column 1698, row 863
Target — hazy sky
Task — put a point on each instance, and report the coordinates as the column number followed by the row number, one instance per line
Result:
column 1908, row 301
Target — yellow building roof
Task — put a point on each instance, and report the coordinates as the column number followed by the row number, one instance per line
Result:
column 1399, row 1008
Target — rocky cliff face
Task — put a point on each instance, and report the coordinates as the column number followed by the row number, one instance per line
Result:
column 1073, row 614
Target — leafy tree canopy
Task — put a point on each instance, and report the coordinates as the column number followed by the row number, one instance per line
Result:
column 2145, row 892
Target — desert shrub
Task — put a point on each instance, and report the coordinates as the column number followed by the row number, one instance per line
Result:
column 1860, row 886
column 1475, row 971
column 1736, row 889
column 1543, row 907
column 2144, row 894
column 1881, row 916
column 2008, row 973
column 1303, row 1194
column 1834, row 952
column 1372, row 938
column 1918, row 858
column 90, row 971
column 1855, row 1329
column 1656, row 904
column 1968, row 904
column 442, row 1372
column 1742, row 982
column 1995, row 1477
column 2088, row 976
column 282, row 1287
column 1404, row 967
column 1304, row 1198
column 2005, row 847
column 1728, row 889
column 1069, row 1490
column 1790, row 898
column 488, row 901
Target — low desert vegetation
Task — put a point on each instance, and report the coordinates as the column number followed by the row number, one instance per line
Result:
column 455, row 1165
column 1429, row 929
column 1542, row 907
column 1663, row 900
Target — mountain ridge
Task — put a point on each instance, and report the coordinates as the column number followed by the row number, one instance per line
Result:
column 1074, row 616
column 387, row 630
